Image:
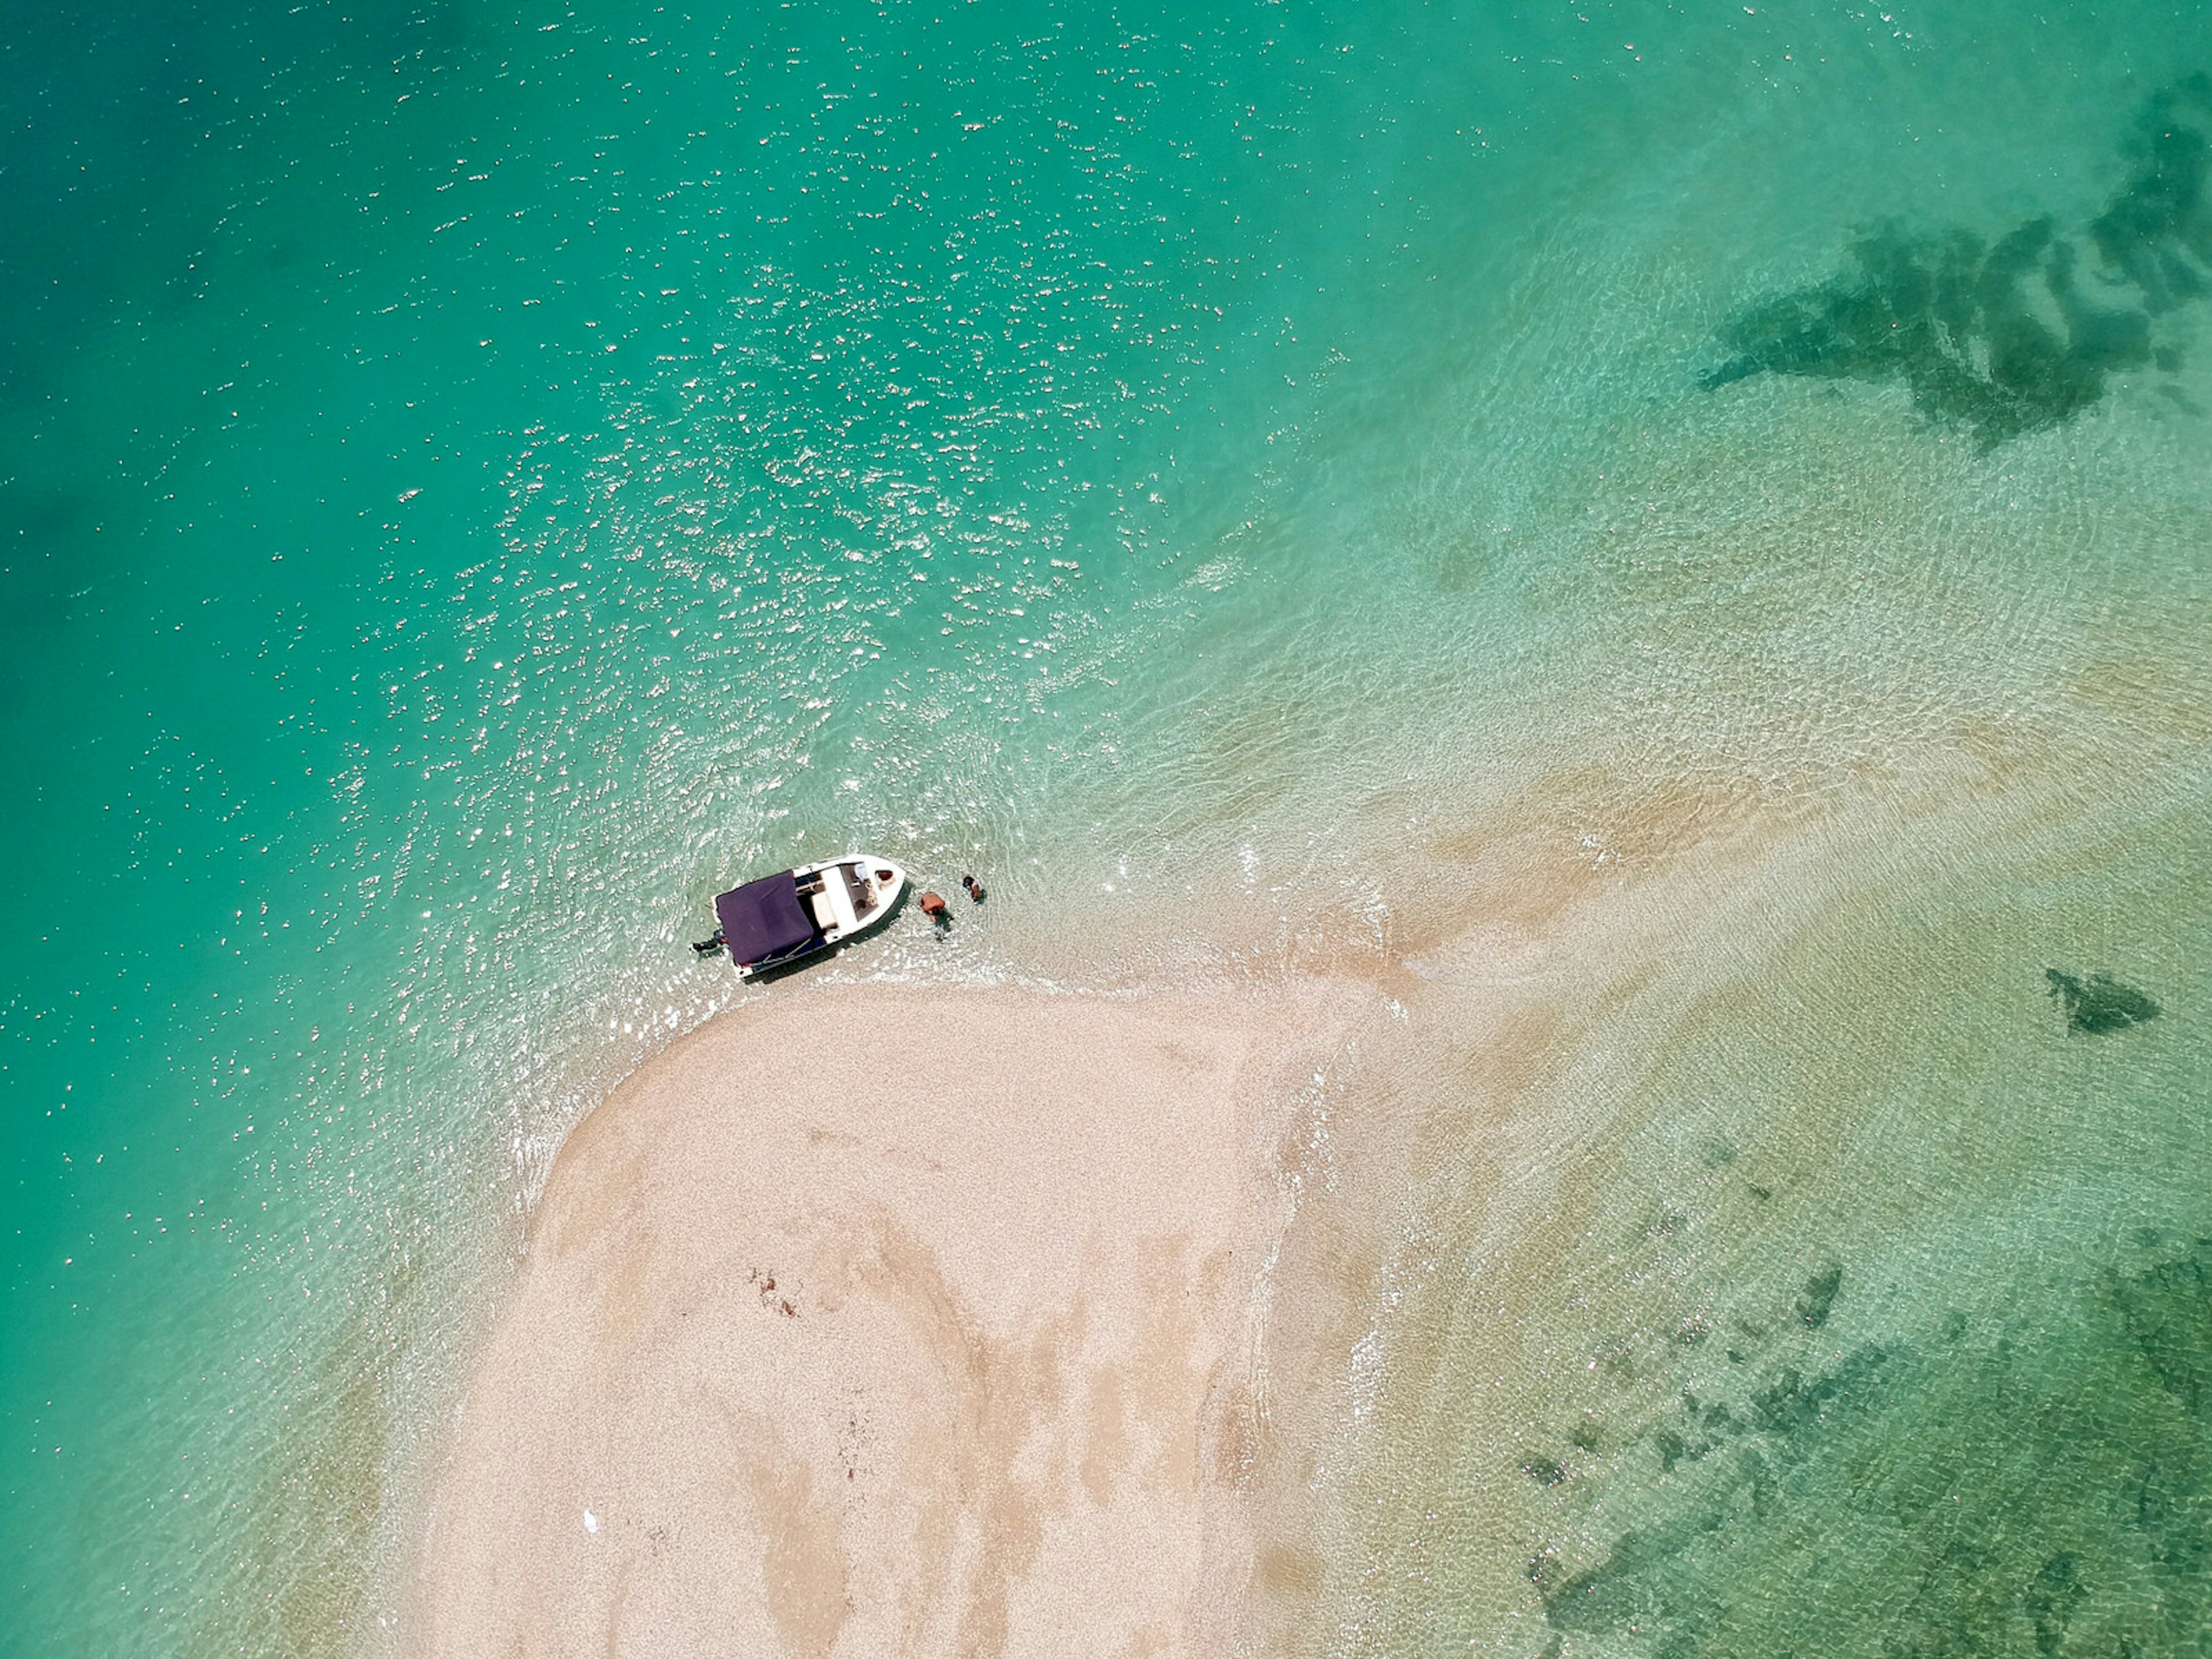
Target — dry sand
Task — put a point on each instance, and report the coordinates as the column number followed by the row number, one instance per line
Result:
column 881, row 1321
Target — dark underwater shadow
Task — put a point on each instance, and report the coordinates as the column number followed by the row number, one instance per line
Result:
column 2099, row 1005
column 2043, row 1487
column 2005, row 338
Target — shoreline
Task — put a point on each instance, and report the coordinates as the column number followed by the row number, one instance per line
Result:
column 830, row 1334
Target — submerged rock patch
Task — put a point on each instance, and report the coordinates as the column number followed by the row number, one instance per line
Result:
column 2046, row 1491
column 2167, row 1310
column 2099, row 1005
column 2008, row 337
column 1819, row 1298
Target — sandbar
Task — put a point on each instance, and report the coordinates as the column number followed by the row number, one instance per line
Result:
column 871, row 1319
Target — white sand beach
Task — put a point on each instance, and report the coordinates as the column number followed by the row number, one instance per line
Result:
column 871, row 1320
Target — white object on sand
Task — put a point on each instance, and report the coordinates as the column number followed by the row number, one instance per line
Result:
column 590, row 1522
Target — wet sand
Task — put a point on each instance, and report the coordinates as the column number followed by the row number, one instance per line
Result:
column 871, row 1320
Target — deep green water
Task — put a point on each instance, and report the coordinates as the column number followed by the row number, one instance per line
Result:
column 1681, row 539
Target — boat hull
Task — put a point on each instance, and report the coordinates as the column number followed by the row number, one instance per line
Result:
column 846, row 897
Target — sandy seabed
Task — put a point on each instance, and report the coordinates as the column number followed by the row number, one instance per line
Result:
column 875, row 1320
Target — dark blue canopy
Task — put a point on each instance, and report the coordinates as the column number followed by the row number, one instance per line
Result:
column 763, row 918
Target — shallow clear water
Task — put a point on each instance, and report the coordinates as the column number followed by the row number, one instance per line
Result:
column 1547, row 509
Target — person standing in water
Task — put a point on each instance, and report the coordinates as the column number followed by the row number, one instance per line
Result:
column 975, row 887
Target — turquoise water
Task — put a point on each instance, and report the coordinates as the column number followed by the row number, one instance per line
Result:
column 1677, row 543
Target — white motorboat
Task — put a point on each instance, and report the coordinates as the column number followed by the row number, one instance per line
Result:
column 786, row 917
